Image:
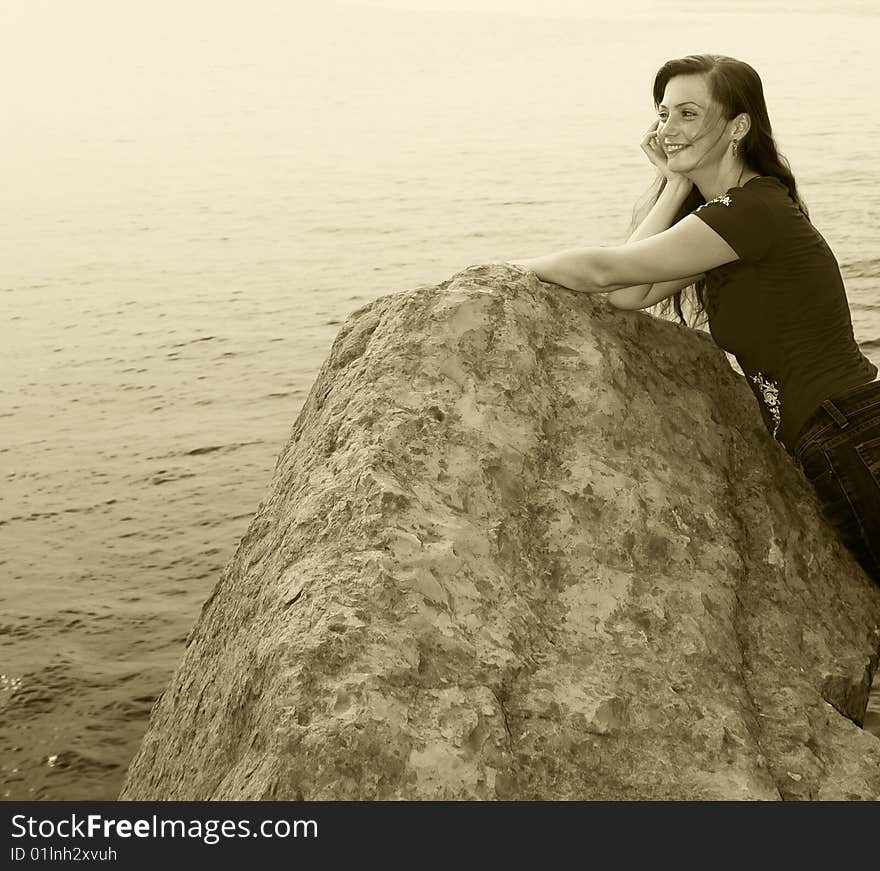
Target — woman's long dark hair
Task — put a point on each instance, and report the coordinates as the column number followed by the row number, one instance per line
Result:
column 736, row 88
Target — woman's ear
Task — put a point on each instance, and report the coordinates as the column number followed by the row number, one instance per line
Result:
column 741, row 124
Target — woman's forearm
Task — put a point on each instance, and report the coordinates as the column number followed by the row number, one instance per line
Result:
column 663, row 212
column 575, row 268
column 658, row 219
column 584, row 269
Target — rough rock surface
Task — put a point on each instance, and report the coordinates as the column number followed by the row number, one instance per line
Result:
column 522, row 545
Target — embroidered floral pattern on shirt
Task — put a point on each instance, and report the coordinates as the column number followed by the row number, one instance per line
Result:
column 770, row 393
column 724, row 199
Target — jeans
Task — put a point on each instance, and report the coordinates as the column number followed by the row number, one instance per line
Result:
column 838, row 450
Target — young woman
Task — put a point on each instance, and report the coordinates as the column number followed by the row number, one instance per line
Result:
column 728, row 221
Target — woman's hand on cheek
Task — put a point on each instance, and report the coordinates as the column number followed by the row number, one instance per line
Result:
column 650, row 144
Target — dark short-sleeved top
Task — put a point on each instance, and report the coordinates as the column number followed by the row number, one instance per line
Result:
column 781, row 309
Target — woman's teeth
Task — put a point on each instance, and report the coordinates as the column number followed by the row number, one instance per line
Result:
column 674, row 149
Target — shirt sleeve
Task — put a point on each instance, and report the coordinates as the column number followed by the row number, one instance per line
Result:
column 742, row 219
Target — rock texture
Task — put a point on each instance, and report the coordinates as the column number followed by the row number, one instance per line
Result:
column 522, row 545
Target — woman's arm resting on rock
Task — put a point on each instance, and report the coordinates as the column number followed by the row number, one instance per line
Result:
column 646, row 295
column 688, row 248
column 661, row 217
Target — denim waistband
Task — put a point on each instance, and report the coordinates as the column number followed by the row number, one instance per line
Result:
column 834, row 413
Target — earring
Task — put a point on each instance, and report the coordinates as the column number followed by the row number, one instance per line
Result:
column 734, row 144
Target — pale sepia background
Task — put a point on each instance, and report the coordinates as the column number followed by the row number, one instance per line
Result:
column 196, row 194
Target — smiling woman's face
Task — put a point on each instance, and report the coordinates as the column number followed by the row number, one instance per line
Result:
column 690, row 119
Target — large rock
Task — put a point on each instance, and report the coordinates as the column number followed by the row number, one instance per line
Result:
column 522, row 545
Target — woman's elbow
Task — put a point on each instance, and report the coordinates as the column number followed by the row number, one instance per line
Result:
column 591, row 276
column 619, row 304
column 601, row 275
column 628, row 298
